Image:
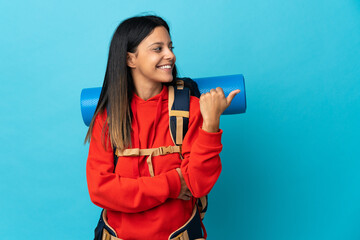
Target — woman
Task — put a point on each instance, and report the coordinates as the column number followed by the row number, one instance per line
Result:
column 132, row 113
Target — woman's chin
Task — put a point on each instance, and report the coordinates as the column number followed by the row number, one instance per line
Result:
column 167, row 80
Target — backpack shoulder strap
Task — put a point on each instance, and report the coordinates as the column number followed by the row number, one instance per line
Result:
column 179, row 103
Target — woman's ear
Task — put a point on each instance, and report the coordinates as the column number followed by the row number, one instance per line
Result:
column 131, row 59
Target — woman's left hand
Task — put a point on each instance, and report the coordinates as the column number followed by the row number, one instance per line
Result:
column 185, row 193
column 212, row 105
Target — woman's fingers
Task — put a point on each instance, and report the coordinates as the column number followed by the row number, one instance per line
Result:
column 185, row 193
column 188, row 193
column 186, row 198
column 220, row 90
column 213, row 91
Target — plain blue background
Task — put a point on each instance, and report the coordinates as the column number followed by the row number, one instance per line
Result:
column 290, row 163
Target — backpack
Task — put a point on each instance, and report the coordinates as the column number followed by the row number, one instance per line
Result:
column 179, row 104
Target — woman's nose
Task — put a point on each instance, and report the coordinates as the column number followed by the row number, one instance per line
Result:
column 169, row 54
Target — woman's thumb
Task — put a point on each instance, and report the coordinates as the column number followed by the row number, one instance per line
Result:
column 231, row 96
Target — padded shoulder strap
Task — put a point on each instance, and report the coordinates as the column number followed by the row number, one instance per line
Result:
column 179, row 103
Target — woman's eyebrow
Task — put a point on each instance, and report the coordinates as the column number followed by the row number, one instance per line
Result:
column 160, row 43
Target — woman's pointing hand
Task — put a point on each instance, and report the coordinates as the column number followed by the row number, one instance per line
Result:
column 212, row 105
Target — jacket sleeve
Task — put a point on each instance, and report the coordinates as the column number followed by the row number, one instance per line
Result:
column 201, row 165
column 110, row 191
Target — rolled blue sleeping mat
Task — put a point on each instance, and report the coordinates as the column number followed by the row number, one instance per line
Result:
column 90, row 96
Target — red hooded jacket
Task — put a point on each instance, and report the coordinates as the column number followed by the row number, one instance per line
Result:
column 144, row 207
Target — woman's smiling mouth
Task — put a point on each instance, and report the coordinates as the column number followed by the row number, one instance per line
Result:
column 165, row 67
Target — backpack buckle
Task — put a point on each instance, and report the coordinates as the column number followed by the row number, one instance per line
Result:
column 166, row 150
column 180, row 84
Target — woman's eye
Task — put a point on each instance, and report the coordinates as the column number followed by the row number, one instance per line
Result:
column 158, row 49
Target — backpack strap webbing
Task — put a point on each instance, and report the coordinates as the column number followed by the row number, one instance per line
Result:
column 179, row 102
column 179, row 105
column 202, row 205
column 151, row 152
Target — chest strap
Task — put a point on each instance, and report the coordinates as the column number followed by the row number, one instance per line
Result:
column 151, row 152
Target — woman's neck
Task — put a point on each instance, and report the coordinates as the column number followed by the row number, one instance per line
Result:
column 148, row 90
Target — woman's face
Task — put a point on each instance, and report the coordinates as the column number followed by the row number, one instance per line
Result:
column 154, row 60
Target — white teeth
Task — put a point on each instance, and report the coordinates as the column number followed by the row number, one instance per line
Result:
column 166, row 66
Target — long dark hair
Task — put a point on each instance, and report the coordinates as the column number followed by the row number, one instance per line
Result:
column 118, row 83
